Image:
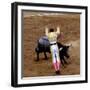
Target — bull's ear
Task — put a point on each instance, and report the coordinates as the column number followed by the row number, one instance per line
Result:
column 60, row 49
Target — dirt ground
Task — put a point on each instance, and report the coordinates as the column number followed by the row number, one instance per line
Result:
column 34, row 27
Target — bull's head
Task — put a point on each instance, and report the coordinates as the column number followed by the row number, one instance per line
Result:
column 64, row 50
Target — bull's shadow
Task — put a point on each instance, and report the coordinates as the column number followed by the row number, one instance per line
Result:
column 43, row 46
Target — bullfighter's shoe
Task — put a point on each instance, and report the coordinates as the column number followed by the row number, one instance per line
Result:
column 58, row 72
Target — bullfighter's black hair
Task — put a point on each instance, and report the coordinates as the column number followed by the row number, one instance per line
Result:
column 51, row 30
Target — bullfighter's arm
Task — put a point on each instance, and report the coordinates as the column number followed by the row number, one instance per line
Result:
column 58, row 30
column 46, row 31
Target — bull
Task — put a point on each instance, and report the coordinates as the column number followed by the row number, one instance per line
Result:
column 43, row 46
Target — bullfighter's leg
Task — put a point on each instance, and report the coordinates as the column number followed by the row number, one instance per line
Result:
column 58, row 60
column 55, row 58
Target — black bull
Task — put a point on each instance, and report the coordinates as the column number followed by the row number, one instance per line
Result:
column 43, row 46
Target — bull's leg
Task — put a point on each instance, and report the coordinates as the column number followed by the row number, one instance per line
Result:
column 62, row 62
column 45, row 55
column 37, row 52
column 37, row 56
column 65, row 61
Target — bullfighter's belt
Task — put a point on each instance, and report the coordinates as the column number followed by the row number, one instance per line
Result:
column 53, row 44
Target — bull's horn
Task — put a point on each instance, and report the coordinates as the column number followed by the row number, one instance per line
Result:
column 69, row 44
column 60, row 49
